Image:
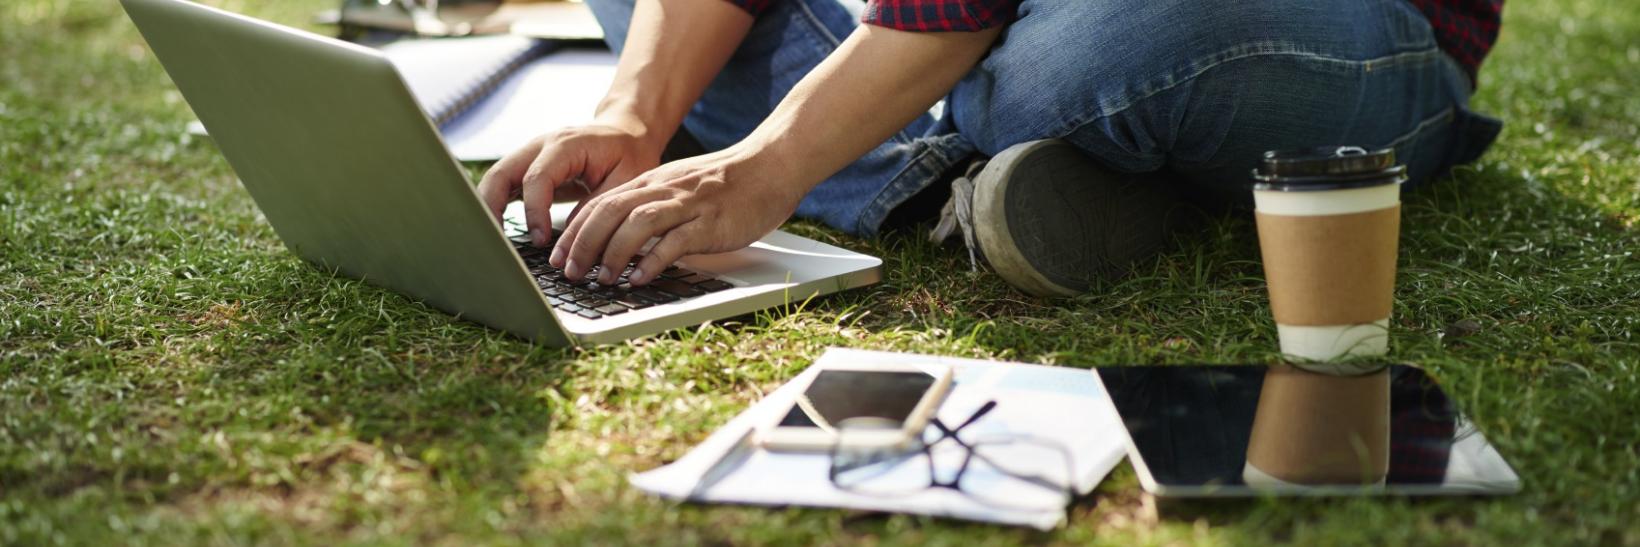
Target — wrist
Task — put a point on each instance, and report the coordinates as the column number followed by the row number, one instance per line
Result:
column 651, row 129
column 769, row 162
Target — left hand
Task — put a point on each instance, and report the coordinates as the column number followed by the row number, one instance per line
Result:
column 718, row 202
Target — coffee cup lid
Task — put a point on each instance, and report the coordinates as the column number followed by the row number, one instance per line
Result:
column 1327, row 168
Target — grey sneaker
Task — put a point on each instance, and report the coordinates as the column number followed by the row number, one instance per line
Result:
column 1051, row 221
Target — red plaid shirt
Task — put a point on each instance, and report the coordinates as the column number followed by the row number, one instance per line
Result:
column 1465, row 29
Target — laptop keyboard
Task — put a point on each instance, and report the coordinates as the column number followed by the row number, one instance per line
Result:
column 591, row 300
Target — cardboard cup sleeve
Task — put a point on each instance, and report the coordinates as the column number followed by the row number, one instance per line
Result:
column 1330, row 270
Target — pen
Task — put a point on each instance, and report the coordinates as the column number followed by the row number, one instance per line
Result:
column 727, row 463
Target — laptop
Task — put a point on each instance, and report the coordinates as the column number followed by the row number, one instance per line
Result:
column 354, row 178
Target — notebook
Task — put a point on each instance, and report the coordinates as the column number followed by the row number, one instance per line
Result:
column 490, row 95
column 556, row 20
column 450, row 75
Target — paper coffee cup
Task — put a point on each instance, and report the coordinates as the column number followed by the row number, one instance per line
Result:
column 1329, row 224
column 1315, row 429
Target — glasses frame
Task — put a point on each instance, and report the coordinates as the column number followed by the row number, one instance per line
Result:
column 970, row 453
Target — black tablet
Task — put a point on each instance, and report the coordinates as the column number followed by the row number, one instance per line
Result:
column 1234, row 431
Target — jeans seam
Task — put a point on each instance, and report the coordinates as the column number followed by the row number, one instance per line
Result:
column 877, row 200
column 930, row 145
column 1445, row 115
column 1366, row 64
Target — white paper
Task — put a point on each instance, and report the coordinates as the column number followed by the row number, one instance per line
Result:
column 1063, row 404
column 441, row 72
column 558, row 90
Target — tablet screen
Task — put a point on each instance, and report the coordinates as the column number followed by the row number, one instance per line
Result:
column 1246, row 430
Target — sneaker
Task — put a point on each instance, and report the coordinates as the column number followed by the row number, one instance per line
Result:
column 1052, row 222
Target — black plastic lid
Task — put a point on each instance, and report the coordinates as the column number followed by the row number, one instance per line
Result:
column 1327, row 168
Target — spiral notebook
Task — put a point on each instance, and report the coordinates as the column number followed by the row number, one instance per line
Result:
column 490, row 95
column 450, row 75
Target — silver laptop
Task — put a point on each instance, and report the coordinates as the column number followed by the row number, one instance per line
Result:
column 354, row 178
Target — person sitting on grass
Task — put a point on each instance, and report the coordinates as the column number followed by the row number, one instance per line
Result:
column 1057, row 132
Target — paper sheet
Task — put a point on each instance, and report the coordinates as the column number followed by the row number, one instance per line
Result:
column 558, row 90
column 443, row 72
column 1064, row 404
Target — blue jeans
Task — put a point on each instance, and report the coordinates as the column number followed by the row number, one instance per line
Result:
column 1198, row 89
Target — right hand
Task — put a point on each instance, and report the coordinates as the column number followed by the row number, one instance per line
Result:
column 597, row 156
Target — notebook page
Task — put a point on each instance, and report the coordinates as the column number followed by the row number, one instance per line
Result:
column 447, row 74
column 555, row 91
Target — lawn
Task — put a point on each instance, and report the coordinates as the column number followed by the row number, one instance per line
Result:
column 170, row 374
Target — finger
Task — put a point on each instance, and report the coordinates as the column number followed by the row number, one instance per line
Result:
column 596, row 225
column 591, row 188
column 560, row 252
column 500, row 184
column 617, row 178
column 674, row 245
column 551, row 167
column 646, row 221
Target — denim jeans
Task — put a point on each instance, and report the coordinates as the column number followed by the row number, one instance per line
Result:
column 1197, row 89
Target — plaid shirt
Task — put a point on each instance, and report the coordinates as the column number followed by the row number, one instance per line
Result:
column 1465, row 29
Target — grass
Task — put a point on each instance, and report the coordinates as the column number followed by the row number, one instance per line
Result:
column 170, row 374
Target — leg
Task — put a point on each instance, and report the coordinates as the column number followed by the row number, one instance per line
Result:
column 784, row 44
column 1204, row 88
column 1196, row 90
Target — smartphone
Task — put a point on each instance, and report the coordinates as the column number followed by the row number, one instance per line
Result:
column 882, row 406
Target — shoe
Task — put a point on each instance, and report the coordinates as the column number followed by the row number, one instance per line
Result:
column 1052, row 222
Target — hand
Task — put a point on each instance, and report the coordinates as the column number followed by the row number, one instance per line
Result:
column 594, row 156
column 714, row 203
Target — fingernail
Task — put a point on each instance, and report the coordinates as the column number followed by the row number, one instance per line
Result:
column 557, row 258
column 538, row 236
column 607, row 276
column 637, row 277
column 573, row 270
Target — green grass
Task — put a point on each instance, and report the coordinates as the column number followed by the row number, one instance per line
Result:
column 168, row 373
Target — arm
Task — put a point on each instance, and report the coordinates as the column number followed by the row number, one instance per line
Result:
column 674, row 49
column 672, row 52
column 874, row 85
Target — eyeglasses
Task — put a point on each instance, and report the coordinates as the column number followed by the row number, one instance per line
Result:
column 1001, row 470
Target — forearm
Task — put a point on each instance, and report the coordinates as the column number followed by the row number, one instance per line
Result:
column 875, row 84
column 673, row 50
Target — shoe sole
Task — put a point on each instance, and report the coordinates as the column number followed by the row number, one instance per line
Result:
column 1052, row 222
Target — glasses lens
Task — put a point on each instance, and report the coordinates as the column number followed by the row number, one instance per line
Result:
column 1018, row 473
column 874, row 458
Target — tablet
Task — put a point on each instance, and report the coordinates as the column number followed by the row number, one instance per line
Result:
column 1244, row 431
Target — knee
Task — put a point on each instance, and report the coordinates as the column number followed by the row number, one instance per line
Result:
column 1127, row 64
column 1063, row 64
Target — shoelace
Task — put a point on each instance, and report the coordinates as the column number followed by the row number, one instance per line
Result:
column 958, row 215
